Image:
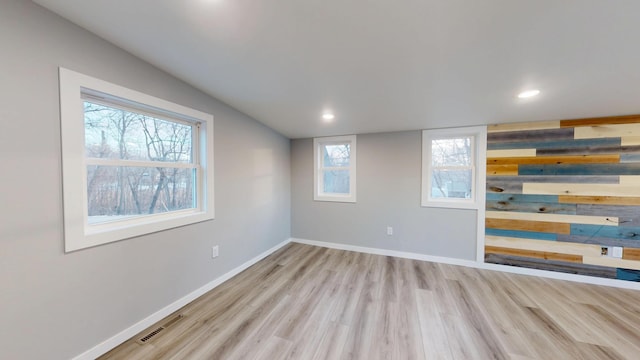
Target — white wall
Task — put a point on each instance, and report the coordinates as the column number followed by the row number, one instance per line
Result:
column 388, row 193
column 56, row 305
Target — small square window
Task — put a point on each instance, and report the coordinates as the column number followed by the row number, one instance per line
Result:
column 335, row 167
column 450, row 166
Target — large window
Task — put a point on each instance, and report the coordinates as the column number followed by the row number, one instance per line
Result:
column 132, row 164
column 450, row 168
column 335, row 168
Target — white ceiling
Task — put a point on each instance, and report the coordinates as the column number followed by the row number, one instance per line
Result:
column 384, row 65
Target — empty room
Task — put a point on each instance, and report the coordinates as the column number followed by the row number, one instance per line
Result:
column 228, row 179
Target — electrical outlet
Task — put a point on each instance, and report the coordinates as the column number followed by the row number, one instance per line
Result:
column 389, row 230
column 214, row 252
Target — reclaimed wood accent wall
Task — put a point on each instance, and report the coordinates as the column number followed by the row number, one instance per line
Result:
column 565, row 196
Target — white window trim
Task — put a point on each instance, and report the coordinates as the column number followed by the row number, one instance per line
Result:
column 479, row 149
column 318, row 194
column 77, row 233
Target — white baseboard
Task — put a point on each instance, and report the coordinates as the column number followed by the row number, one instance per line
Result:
column 479, row 265
column 376, row 251
column 126, row 334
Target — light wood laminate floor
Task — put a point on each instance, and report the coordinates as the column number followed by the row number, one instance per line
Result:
column 306, row 302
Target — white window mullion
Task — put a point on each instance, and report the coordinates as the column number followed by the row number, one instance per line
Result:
column 137, row 163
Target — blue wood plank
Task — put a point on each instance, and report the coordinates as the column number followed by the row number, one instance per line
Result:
column 628, row 274
column 614, row 232
column 630, row 158
column 522, row 198
column 521, row 234
column 581, row 144
column 580, row 169
column 598, row 240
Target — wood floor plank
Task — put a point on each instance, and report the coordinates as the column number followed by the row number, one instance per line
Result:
column 434, row 341
column 274, row 348
column 306, row 302
column 332, row 342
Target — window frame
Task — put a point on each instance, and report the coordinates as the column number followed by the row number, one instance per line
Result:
column 75, row 88
column 478, row 135
column 319, row 168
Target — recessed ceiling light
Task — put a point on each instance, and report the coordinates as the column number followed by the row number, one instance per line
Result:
column 528, row 94
column 328, row 116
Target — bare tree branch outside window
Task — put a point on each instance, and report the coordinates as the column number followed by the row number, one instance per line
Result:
column 336, row 159
column 451, row 162
column 119, row 191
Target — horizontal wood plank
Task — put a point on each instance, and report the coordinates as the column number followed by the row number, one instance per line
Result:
column 533, row 254
column 522, row 198
column 502, row 170
column 596, row 199
column 629, row 180
column 556, row 218
column 627, row 215
column 598, row 240
column 612, row 262
column 564, row 179
column 511, row 153
column 608, row 120
column 614, row 149
column 580, row 169
column 521, row 234
column 531, row 135
column 582, row 146
column 582, row 189
column 503, row 187
column 607, row 131
column 629, row 275
column 630, row 158
column 614, row 232
column 525, row 225
column 536, row 125
column 631, row 254
column 514, row 184
column 570, row 159
column 630, row 140
column 559, row 266
column 542, row 245
column 532, row 207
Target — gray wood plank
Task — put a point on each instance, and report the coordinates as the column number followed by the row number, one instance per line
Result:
column 560, row 266
column 627, row 215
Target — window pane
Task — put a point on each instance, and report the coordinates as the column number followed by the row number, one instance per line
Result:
column 113, row 133
column 451, row 152
column 336, row 181
column 451, row 184
column 336, row 155
column 118, row 192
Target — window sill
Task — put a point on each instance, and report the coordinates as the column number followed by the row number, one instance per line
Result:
column 336, row 198
column 452, row 205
